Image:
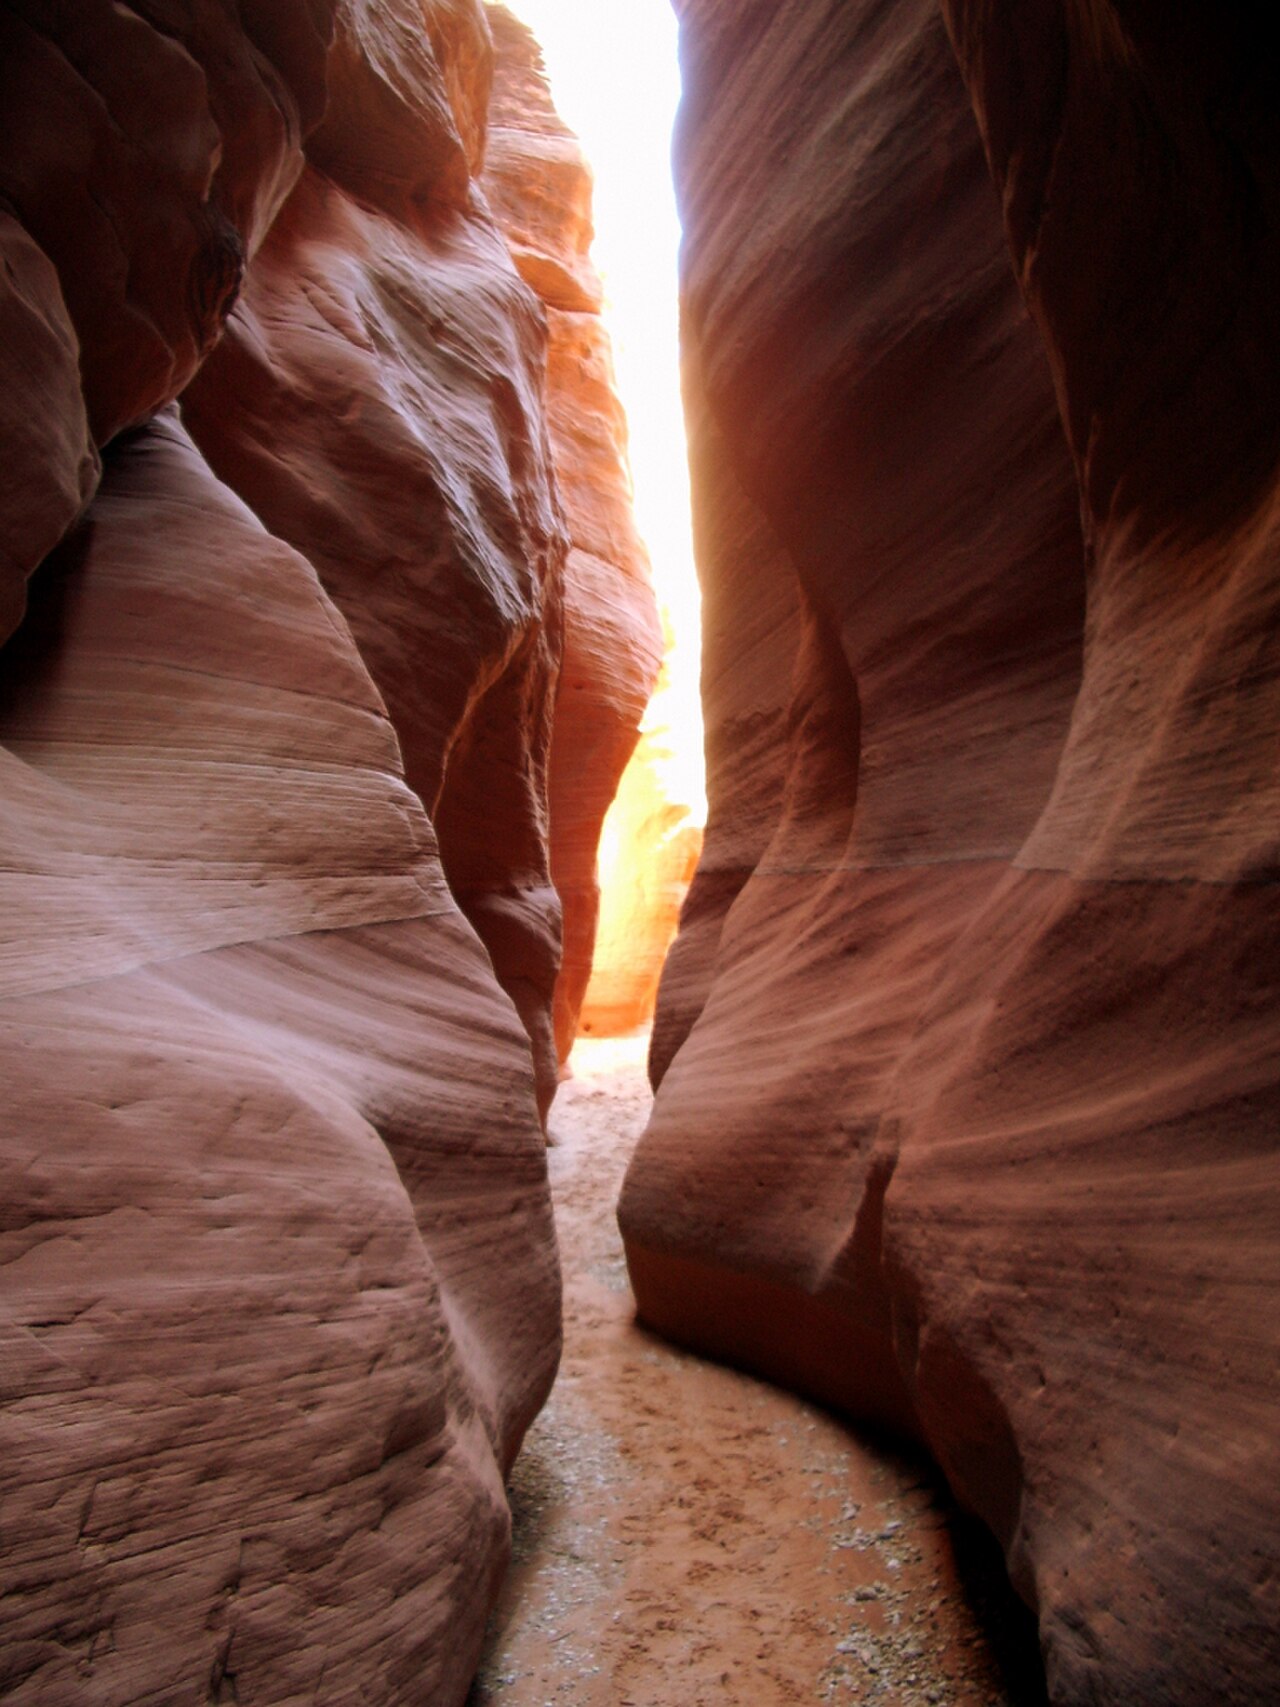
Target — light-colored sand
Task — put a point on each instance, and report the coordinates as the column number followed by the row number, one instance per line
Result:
column 687, row 1536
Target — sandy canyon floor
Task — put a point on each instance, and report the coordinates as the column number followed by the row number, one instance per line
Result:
column 686, row 1536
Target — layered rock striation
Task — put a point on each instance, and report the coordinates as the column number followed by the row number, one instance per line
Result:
column 281, row 1290
column 539, row 185
column 967, row 1051
column 280, row 1275
column 377, row 399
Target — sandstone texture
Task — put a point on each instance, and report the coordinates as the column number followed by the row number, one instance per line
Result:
column 280, row 1278
column 692, row 1536
column 281, row 1287
column 52, row 462
column 377, row 400
column 649, row 848
column 967, row 1053
column 540, row 188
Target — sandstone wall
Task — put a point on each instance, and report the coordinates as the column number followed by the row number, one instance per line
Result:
column 968, row 1049
column 649, row 848
column 540, row 187
column 281, row 1290
column 281, row 1287
column 377, row 399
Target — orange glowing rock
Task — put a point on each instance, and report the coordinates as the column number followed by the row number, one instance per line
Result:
column 539, row 186
column 648, row 850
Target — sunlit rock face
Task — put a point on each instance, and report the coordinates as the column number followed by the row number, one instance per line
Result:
column 281, row 1292
column 750, row 633
column 649, row 847
column 969, row 1046
column 540, row 188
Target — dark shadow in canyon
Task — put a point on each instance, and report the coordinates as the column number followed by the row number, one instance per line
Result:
column 1005, row 1621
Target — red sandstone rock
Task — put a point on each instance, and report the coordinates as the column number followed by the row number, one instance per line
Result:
column 146, row 149
column 377, row 399
column 275, row 1317
column 281, row 1289
column 972, row 1126
column 540, row 188
column 648, row 850
column 750, row 633
column 612, row 639
column 535, row 176
column 51, row 464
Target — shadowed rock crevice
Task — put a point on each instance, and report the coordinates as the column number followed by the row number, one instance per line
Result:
column 540, row 186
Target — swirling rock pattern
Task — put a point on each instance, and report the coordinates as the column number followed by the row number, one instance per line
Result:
column 53, row 463
column 967, row 1115
column 281, row 1291
column 377, row 399
column 146, row 154
column 269, row 1122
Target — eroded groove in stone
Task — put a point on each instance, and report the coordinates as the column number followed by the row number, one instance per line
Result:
column 968, row 1054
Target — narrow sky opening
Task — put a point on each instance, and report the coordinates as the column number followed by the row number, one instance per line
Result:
column 615, row 79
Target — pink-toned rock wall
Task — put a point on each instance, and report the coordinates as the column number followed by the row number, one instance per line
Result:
column 750, row 632
column 52, row 462
column 281, row 1291
column 540, row 188
column 969, row 1106
column 146, row 156
column 281, row 1287
column 378, row 400
column 140, row 163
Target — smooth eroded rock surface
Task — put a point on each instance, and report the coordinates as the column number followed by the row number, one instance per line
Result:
column 377, row 399
column 281, row 1287
column 52, row 464
column 146, row 150
column 968, row 1111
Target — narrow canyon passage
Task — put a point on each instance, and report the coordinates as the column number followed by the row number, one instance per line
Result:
column 686, row 1535
column 331, row 602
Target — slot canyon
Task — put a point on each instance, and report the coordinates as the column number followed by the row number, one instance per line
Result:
column 327, row 633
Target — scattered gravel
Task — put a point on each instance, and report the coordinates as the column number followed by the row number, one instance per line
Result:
column 686, row 1536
